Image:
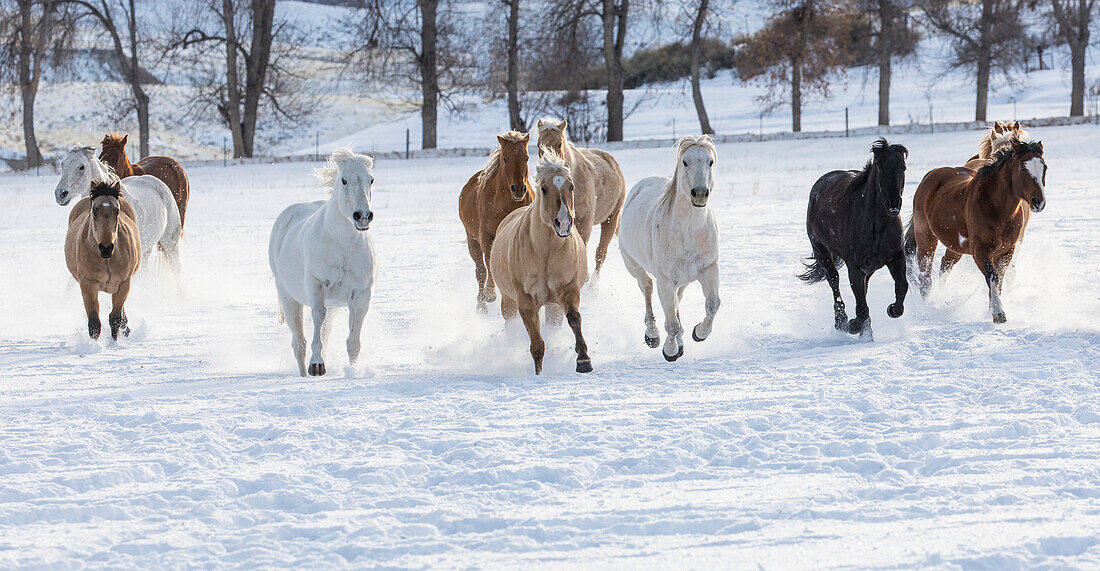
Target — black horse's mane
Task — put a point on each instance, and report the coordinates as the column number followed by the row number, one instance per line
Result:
column 101, row 188
column 1001, row 157
column 879, row 146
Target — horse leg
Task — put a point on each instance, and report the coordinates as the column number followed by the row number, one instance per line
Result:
column 91, row 308
column 292, row 312
column 607, row 231
column 709, row 281
column 823, row 256
column 117, row 317
column 670, row 302
column 861, row 324
column 508, row 307
column 530, row 314
column 573, row 314
column 950, row 258
column 926, row 254
column 171, row 249
column 357, row 310
column 645, row 283
column 994, row 276
column 480, row 270
column 901, row 285
column 319, row 312
column 490, row 294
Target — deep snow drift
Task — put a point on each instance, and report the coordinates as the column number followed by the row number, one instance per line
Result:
column 777, row 442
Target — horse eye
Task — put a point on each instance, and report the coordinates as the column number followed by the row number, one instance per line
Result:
column 710, row 163
column 504, row 159
column 81, row 167
column 344, row 180
column 685, row 163
column 543, row 190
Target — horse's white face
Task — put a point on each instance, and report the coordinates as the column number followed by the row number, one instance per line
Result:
column 77, row 170
column 555, row 202
column 351, row 190
column 697, row 174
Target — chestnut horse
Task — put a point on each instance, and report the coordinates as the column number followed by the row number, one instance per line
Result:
column 167, row 169
column 490, row 195
column 995, row 139
column 982, row 213
column 102, row 251
column 601, row 187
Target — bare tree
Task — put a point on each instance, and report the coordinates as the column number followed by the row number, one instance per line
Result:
column 985, row 36
column 515, row 114
column 1072, row 19
column 103, row 11
column 696, row 53
column 36, row 33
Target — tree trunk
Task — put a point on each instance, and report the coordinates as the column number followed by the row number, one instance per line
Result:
column 140, row 97
column 1077, row 64
column 796, row 96
column 259, row 57
column 29, row 63
column 232, row 111
column 983, row 88
column 613, row 62
column 28, row 94
column 885, row 55
column 696, row 55
column 429, row 73
column 515, row 118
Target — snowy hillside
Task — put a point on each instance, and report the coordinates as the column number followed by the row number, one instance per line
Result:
column 777, row 443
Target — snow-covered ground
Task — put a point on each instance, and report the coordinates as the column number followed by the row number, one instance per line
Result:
column 778, row 442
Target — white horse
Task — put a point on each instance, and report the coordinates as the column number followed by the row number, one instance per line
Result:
column 158, row 217
column 322, row 256
column 668, row 234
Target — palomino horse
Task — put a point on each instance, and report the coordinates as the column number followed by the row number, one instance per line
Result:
column 981, row 213
column 167, row 169
column 668, row 233
column 158, row 218
column 539, row 260
column 853, row 219
column 490, row 195
column 601, row 188
column 996, row 138
column 102, row 253
column 322, row 256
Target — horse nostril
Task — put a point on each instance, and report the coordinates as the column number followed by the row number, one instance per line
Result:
column 356, row 216
column 370, row 216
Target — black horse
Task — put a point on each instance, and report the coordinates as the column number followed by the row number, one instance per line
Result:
column 853, row 219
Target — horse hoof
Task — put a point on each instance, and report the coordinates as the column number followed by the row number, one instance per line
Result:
column 126, row 331
column 316, row 369
column 482, row 308
column 999, row 318
column 696, row 336
column 491, row 296
column 584, row 365
column 895, row 310
column 652, row 342
column 841, row 322
column 855, row 327
column 672, row 358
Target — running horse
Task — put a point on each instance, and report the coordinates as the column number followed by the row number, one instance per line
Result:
column 167, row 169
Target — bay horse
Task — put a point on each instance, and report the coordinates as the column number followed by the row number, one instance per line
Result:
column 490, row 195
column 158, row 219
column 996, row 138
column 982, row 213
column 668, row 235
column 600, row 185
column 540, row 260
column 322, row 256
column 167, row 169
column 853, row 219
column 102, row 252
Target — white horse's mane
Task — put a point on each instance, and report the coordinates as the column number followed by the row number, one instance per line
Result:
column 327, row 174
column 551, row 163
column 682, row 146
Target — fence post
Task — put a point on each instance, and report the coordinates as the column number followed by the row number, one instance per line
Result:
column 931, row 118
column 317, row 144
column 845, row 122
column 224, row 151
column 406, row 143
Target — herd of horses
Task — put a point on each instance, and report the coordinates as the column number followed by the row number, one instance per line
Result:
column 528, row 236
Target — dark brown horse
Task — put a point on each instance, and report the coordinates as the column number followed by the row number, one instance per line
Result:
column 167, row 169
column 490, row 195
column 982, row 213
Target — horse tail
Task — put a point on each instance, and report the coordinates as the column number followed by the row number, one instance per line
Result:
column 910, row 243
column 282, row 318
column 815, row 271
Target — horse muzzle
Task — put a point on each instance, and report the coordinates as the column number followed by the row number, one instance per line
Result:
column 1037, row 205
column 62, row 197
column 563, row 228
column 699, row 197
column 362, row 223
column 518, row 193
column 894, row 211
column 106, row 251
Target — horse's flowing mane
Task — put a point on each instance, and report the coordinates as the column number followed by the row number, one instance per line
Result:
column 114, row 140
column 551, row 124
column 551, row 164
column 102, row 188
column 998, row 160
column 879, row 146
column 328, row 173
column 991, row 141
column 492, row 166
column 90, row 153
column 682, row 146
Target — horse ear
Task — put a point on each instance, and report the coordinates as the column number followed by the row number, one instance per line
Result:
column 124, row 139
column 1040, row 143
column 525, row 137
column 501, row 140
column 1015, row 125
column 561, row 126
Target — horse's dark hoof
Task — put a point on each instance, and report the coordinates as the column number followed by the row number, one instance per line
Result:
column 316, row 369
column 491, row 296
column 673, row 357
column 841, row 322
column 895, row 310
column 695, row 336
column 653, row 342
column 855, row 326
column 93, row 331
column 584, row 365
column 999, row 318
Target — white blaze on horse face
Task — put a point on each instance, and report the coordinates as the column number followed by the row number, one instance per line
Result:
column 1037, row 169
column 563, row 219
